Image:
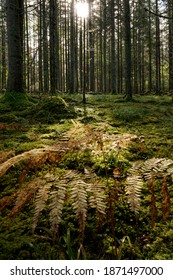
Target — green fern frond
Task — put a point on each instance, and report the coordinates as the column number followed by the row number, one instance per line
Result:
column 133, row 187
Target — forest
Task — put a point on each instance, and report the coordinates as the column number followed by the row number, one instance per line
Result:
column 86, row 121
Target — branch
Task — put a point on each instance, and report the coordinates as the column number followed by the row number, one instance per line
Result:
column 156, row 14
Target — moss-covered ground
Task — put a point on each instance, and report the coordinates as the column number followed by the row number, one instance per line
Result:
column 27, row 123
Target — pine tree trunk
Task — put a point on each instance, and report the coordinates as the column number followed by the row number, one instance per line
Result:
column 53, row 46
column 157, row 53
column 91, row 50
column 127, row 20
column 170, row 15
column 15, row 19
column 113, row 62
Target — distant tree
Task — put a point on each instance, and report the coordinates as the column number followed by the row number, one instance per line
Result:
column 170, row 43
column 3, row 59
column 53, row 46
column 91, row 49
column 15, row 19
column 45, row 47
column 127, row 31
column 157, row 50
column 72, row 48
column 113, row 61
column 150, row 68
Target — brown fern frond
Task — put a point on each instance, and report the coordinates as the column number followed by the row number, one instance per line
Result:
column 40, row 201
column 57, row 199
column 97, row 198
column 133, row 187
column 36, row 157
column 166, row 202
column 155, row 167
column 79, row 202
column 24, row 194
column 4, row 155
column 153, row 207
column 6, row 200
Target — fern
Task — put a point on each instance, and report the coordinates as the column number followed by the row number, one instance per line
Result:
column 79, row 203
column 166, row 202
column 24, row 194
column 149, row 171
column 97, row 199
column 96, row 191
column 153, row 208
column 56, row 188
column 40, row 201
column 134, row 184
column 57, row 199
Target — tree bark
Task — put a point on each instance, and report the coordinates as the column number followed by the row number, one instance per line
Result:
column 127, row 20
column 15, row 19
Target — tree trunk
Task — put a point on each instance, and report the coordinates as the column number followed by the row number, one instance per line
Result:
column 170, row 15
column 91, row 50
column 45, row 49
column 113, row 62
column 72, row 48
column 127, row 20
column 157, row 53
column 15, row 19
column 53, row 46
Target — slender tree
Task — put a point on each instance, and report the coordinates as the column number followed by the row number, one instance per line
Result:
column 157, row 50
column 170, row 44
column 127, row 21
column 45, row 47
column 91, row 49
column 113, row 60
column 53, row 46
column 72, row 48
column 3, row 48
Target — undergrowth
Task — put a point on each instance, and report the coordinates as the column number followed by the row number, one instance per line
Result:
column 77, row 190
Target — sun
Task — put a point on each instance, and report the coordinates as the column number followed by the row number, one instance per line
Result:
column 82, row 9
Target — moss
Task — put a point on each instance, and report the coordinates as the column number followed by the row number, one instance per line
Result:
column 49, row 111
column 16, row 100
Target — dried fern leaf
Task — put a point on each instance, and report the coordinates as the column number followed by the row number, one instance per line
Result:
column 24, row 194
column 166, row 202
column 133, row 187
column 4, row 155
column 97, row 198
column 153, row 207
column 57, row 199
column 79, row 202
column 37, row 156
column 6, row 200
column 40, row 201
column 155, row 167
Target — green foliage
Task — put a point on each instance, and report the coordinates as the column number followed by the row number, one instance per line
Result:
column 129, row 114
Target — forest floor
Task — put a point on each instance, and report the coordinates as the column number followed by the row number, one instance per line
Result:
column 50, row 141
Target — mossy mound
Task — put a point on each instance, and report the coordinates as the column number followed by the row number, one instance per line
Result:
column 14, row 101
column 50, row 110
column 26, row 109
